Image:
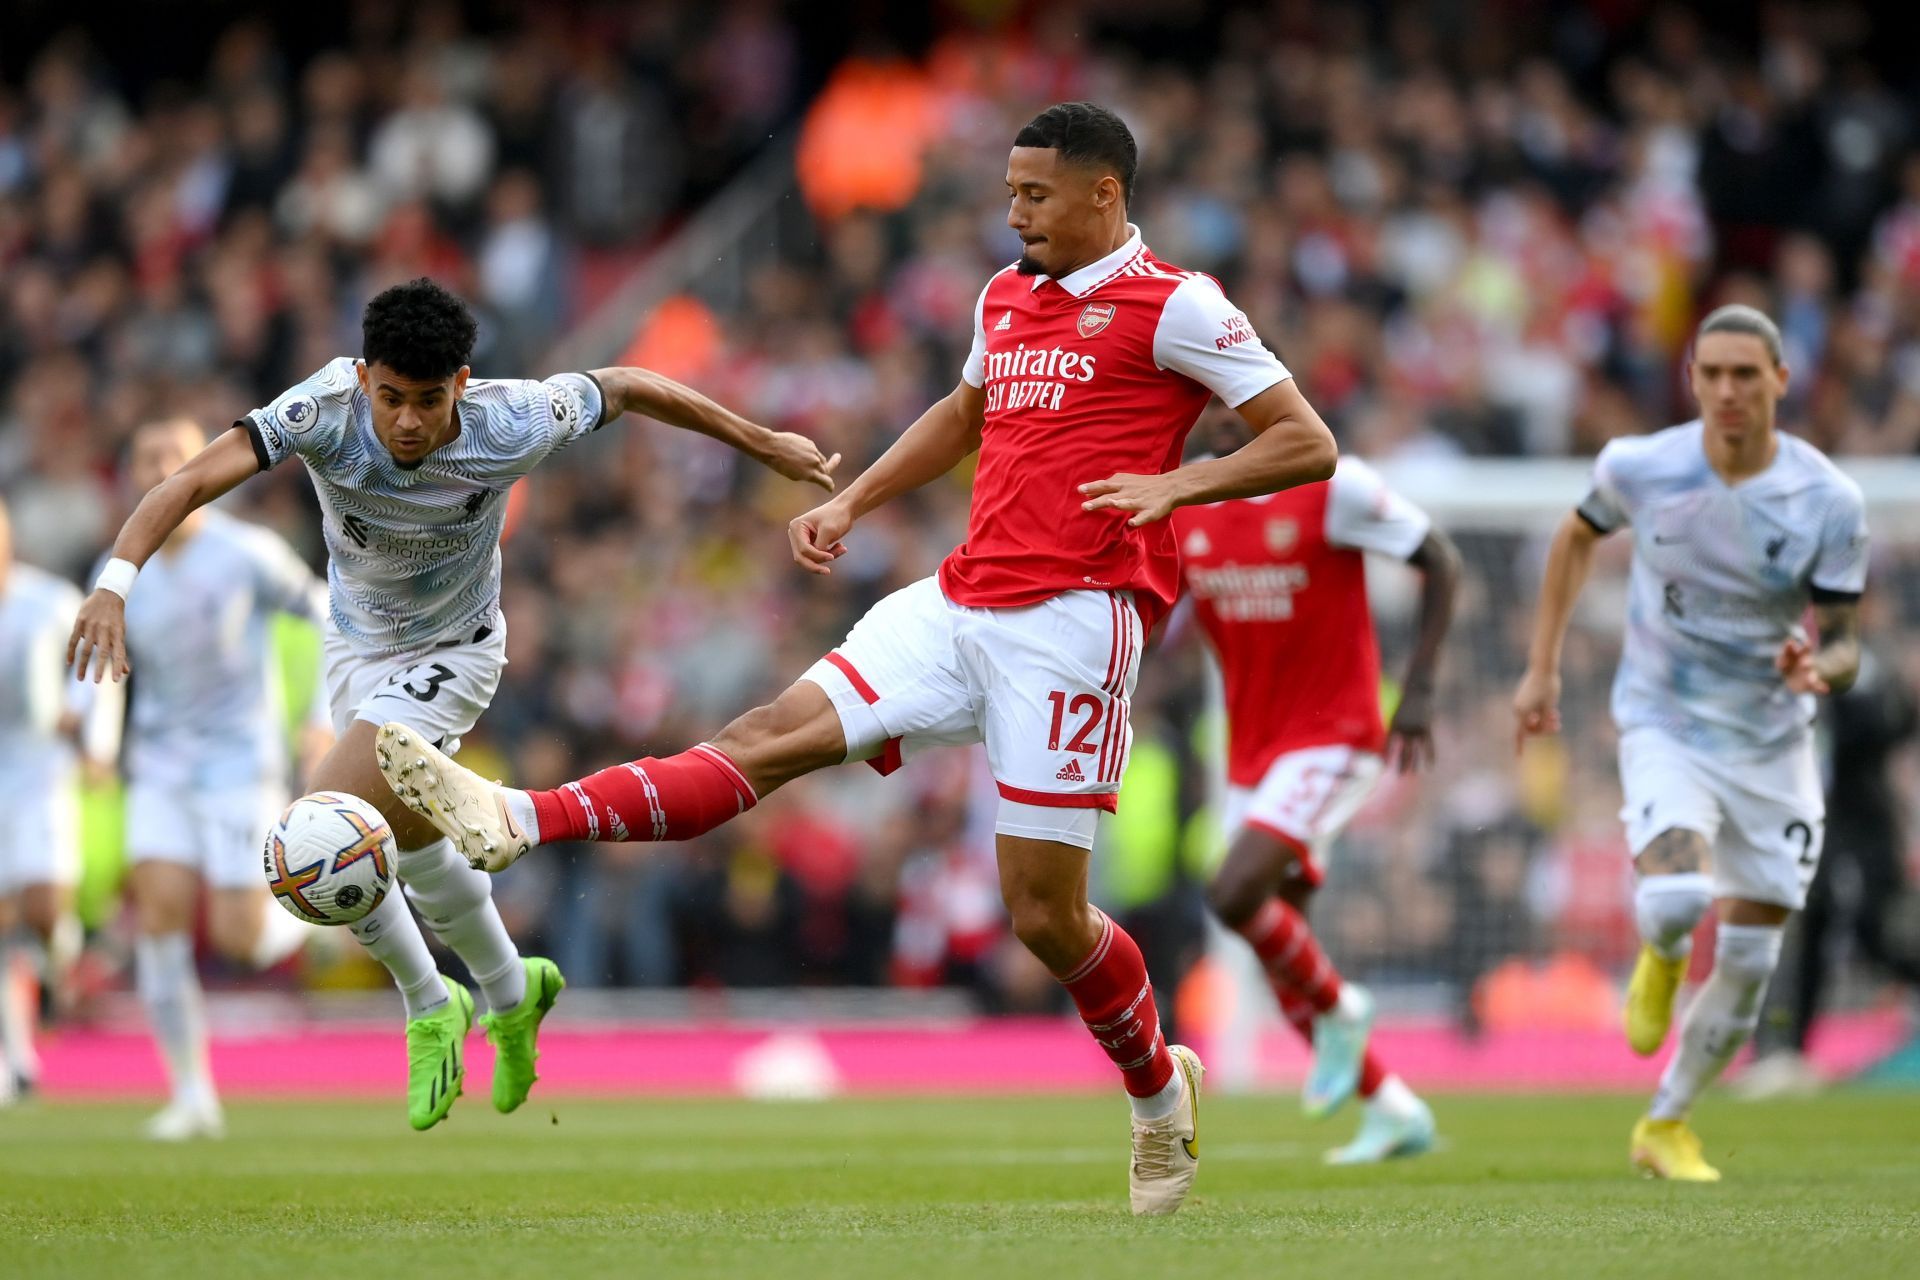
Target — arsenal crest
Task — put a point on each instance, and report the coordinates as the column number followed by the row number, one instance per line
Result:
column 1094, row 317
column 1281, row 535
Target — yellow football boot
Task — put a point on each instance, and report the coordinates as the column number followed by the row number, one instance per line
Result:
column 1650, row 993
column 1669, row 1149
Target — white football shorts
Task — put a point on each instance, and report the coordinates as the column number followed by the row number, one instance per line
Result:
column 1046, row 686
column 215, row 831
column 1306, row 798
column 1765, row 820
column 439, row 691
column 40, row 840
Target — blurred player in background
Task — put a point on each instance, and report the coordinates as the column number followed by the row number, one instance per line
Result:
column 1737, row 527
column 1091, row 362
column 1279, row 585
column 206, row 761
column 1862, row 882
column 412, row 464
column 40, row 838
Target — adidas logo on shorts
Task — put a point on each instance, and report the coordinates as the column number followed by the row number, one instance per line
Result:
column 1071, row 773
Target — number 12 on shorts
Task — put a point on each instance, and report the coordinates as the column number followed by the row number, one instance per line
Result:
column 1083, row 704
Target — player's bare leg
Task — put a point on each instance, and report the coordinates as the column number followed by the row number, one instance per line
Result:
column 1261, row 892
column 246, row 927
column 166, row 894
column 675, row 798
column 1044, row 885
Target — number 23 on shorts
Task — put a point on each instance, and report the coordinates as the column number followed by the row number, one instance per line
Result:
column 422, row 683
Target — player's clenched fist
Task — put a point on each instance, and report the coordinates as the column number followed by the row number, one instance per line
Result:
column 1536, row 707
column 100, row 632
column 798, row 458
column 816, row 537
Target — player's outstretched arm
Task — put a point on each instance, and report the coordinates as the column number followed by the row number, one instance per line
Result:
column 1536, row 705
column 925, row 451
column 1835, row 664
column 1410, row 737
column 633, row 390
column 99, row 639
column 1291, row 446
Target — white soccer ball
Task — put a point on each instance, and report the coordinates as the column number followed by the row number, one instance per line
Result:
column 330, row 858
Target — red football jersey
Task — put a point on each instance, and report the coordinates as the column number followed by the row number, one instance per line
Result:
column 1103, row 371
column 1279, row 584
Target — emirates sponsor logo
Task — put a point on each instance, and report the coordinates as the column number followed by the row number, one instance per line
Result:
column 1250, row 593
column 1094, row 317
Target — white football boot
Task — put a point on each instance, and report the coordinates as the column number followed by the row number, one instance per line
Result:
column 1166, row 1152
column 184, row 1119
column 466, row 808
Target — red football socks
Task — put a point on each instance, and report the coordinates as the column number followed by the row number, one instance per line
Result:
column 1291, row 955
column 1115, row 999
column 1299, row 1013
column 673, row 799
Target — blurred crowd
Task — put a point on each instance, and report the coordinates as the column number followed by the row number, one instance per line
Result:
column 1493, row 246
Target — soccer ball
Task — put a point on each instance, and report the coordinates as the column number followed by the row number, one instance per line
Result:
column 329, row 859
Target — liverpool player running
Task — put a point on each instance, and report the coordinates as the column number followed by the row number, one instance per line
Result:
column 1279, row 586
column 412, row 463
column 1737, row 528
column 1091, row 361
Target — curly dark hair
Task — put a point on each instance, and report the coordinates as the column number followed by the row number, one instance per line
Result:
column 418, row 330
column 1087, row 134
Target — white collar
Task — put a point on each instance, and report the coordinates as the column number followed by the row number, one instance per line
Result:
column 1090, row 277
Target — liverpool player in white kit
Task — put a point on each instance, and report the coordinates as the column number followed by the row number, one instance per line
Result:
column 1736, row 528
column 1279, row 586
column 206, row 762
column 412, row 463
column 1091, row 361
column 39, row 841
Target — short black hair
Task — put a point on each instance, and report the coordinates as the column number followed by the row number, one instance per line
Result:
column 418, row 330
column 1086, row 133
column 1738, row 318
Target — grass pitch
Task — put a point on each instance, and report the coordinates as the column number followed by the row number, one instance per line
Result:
column 927, row 1189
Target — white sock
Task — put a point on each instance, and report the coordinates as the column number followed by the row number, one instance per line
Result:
column 1669, row 908
column 1348, row 1004
column 170, row 989
column 520, row 809
column 1158, row 1106
column 16, row 1021
column 456, row 902
column 392, row 936
column 280, row 936
column 1722, row 1017
column 1393, row 1098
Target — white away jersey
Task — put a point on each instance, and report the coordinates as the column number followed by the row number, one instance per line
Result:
column 414, row 553
column 1722, row 575
column 37, row 611
column 206, row 706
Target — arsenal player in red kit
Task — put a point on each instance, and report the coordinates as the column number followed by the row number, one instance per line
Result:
column 1278, row 584
column 1091, row 361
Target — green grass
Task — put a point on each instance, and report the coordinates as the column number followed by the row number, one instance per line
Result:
column 921, row 1190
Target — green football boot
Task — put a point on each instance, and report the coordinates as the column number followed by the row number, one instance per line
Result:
column 514, row 1030
column 435, row 1065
